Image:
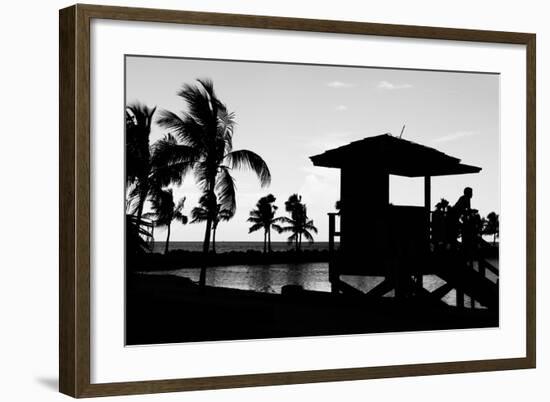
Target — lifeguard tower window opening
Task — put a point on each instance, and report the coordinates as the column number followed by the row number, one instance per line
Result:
column 406, row 190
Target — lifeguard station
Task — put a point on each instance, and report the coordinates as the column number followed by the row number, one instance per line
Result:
column 380, row 239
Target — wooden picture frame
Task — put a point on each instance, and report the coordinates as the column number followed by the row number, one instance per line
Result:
column 74, row 205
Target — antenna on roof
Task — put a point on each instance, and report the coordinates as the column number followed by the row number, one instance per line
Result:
column 403, row 129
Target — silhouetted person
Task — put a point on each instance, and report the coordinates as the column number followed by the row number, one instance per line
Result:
column 457, row 215
column 462, row 206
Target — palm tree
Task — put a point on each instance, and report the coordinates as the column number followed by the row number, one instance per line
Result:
column 165, row 211
column 338, row 206
column 298, row 223
column 439, row 224
column 170, row 162
column 137, row 240
column 207, row 128
column 491, row 226
column 138, row 155
column 221, row 215
column 442, row 205
column 263, row 216
column 294, row 206
column 200, row 214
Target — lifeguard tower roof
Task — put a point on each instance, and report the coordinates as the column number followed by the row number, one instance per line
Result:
column 395, row 156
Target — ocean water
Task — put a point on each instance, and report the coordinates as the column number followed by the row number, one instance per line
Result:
column 225, row 246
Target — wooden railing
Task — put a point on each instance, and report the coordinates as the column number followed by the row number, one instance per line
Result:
column 333, row 275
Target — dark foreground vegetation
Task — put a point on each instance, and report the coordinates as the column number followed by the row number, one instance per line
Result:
column 168, row 309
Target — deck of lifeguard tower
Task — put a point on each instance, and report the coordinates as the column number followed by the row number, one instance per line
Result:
column 380, row 239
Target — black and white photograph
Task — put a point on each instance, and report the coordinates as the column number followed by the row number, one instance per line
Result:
column 246, row 201
column 273, row 200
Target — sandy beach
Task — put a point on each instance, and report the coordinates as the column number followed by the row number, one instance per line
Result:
column 168, row 309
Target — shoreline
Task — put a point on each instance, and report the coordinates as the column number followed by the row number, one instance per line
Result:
column 177, row 259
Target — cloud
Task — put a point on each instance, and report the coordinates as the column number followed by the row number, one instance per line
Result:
column 341, row 108
column 320, row 190
column 327, row 141
column 391, row 86
column 455, row 136
column 339, row 84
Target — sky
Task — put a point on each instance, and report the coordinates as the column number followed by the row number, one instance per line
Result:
column 289, row 112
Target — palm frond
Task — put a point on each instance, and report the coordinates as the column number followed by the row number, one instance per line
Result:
column 149, row 215
column 225, row 215
column 199, row 214
column 203, row 175
column 292, row 238
column 226, row 125
column 250, row 160
column 131, row 197
column 186, row 128
column 293, row 202
column 169, row 120
column 136, row 244
column 138, row 129
column 254, row 219
column 141, row 115
column 180, row 205
column 215, row 104
column 202, row 104
column 286, row 220
column 171, row 161
column 308, row 236
column 255, row 227
column 255, row 214
column 226, row 190
column 181, row 218
column 162, row 204
column 309, row 226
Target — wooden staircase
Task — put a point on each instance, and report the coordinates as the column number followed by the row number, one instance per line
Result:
column 467, row 278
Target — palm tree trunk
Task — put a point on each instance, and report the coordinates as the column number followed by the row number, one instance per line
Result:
column 167, row 240
column 269, row 240
column 205, row 248
column 142, row 196
column 206, row 243
column 214, row 239
column 265, row 240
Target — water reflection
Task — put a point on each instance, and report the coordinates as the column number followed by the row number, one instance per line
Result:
column 270, row 278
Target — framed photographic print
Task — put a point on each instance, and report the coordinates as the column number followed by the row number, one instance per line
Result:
column 296, row 200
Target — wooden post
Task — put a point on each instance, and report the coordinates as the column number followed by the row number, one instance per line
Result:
column 419, row 282
column 428, row 199
column 459, row 298
column 332, row 275
column 331, row 230
column 153, row 236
